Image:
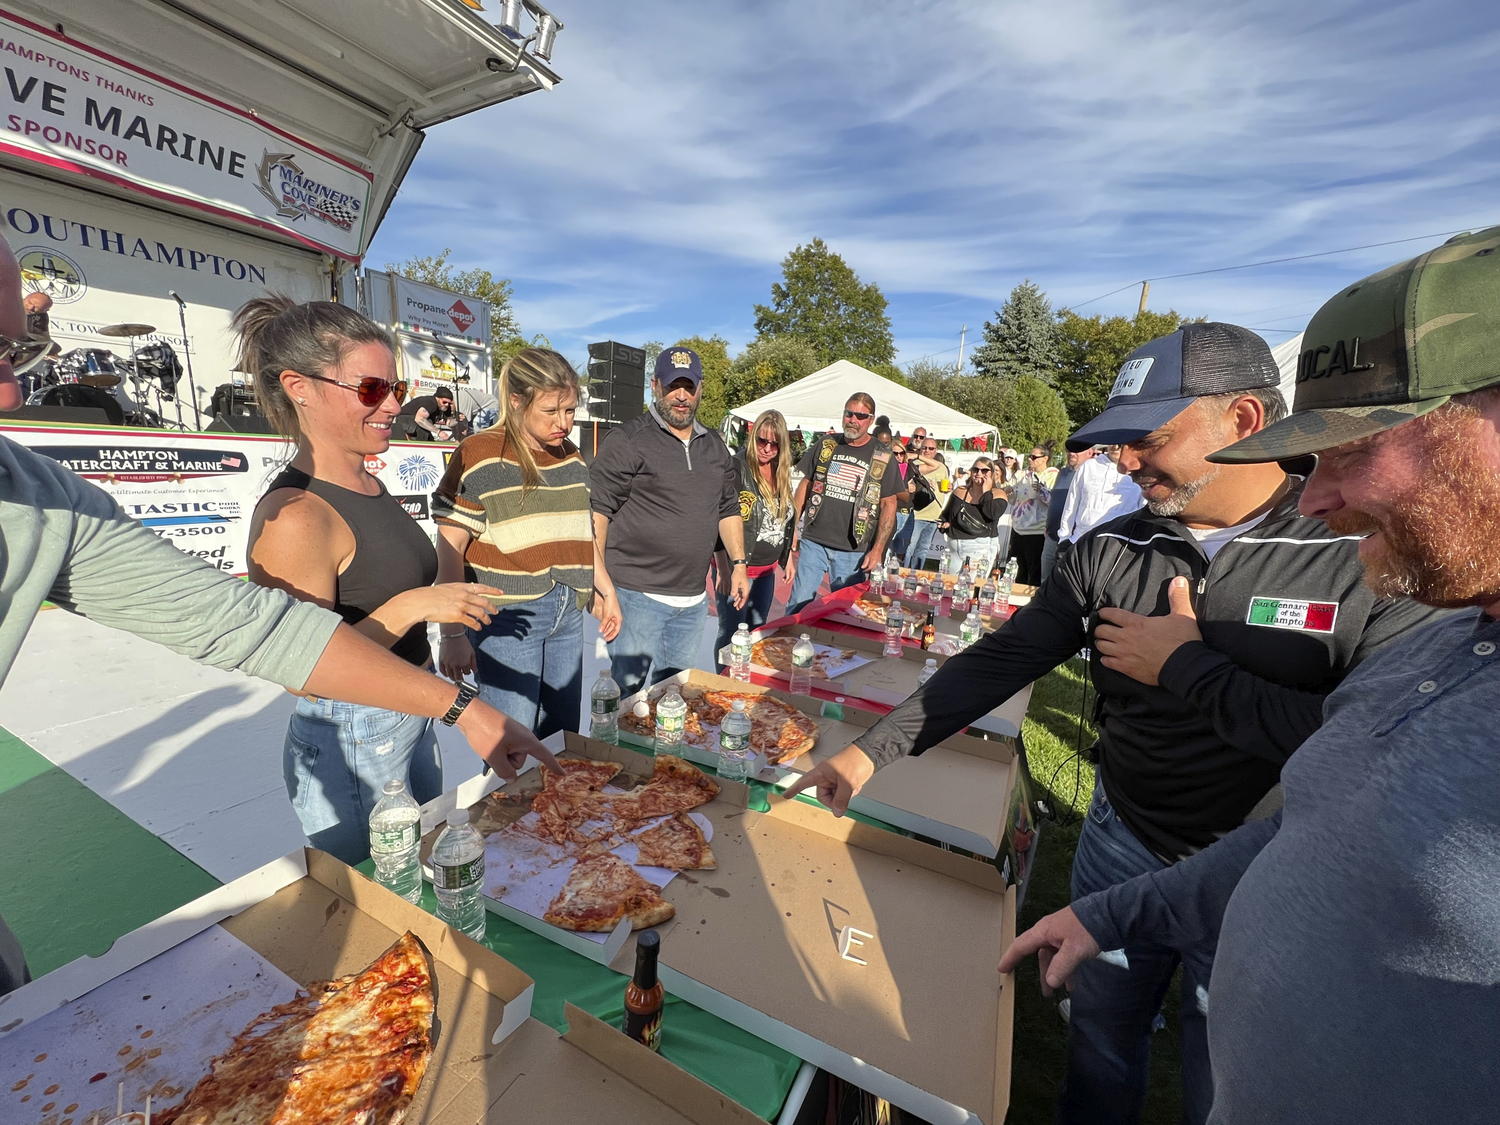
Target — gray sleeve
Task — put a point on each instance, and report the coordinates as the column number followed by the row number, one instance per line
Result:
column 1181, row 906
column 123, row 575
column 611, row 474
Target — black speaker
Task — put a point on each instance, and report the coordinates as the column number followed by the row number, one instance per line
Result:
column 78, row 415
column 241, row 424
column 617, row 381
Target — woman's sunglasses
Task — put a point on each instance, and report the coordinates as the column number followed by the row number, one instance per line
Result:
column 370, row 390
column 769, row 443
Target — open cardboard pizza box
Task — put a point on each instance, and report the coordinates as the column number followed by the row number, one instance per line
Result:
column 197, row 976
column 958, row 792
column 593, row 1073
column 869, row 954
column 888, row 680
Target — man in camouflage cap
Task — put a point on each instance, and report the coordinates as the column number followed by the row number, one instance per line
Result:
column 1357, row 974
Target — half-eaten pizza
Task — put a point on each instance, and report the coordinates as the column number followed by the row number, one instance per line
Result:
column 602, row 890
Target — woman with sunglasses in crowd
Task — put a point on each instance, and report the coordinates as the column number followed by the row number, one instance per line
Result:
column 970, row 517
column 1030, row 495
column 327, row 531
column 765, row 468
column 513, row 510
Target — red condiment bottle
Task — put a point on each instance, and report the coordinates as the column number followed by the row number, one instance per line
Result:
column 644, row 994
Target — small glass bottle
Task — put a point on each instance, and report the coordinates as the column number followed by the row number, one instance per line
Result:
column 644, row 995
column 929, row 630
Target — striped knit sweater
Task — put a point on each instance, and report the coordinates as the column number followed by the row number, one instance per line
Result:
column 525, row 547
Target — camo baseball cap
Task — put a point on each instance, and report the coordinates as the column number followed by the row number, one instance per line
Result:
column 1390, row 348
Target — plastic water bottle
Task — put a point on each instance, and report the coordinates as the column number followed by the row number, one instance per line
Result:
column 913, row 576
column 893, row 630
column 740, row 646
column 458, row 875
column 396, row 840
column 734, row 743
column 802, row 662
column 604, row 708
column 671, row 714
column 970, row 630
column 987, row 595
column 877, row 576
column 1002, row 592
column 946, row 566
column 964, row 589
column 924, row 587
column 929, row 670
column 893, row 579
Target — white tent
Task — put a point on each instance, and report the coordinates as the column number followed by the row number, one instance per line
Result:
column 816, row 402
column 1285, row 354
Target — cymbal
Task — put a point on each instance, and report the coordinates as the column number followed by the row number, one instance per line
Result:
column 97, row 379
column 127, row 330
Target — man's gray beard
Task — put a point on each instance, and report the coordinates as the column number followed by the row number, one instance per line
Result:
column 671, row 413
column 1182, row 496
column 851, row 433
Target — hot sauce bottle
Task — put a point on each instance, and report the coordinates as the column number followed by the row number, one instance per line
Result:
column 929, row 631
column 644, row 994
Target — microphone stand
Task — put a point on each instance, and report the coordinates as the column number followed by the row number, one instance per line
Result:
column 187, row 354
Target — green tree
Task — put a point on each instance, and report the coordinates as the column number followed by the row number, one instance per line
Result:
column 1022, row 339
column 821, row 300
column 713, row 353
column 766, row 365
column 1024, row 409
column 1033, row 414
column 1091, row 350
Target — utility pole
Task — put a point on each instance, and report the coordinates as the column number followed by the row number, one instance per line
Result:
column 1145, row 289
column 962, row 332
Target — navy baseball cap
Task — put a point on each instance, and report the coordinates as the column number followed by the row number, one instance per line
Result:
column 1161, row 379
column 678, row 363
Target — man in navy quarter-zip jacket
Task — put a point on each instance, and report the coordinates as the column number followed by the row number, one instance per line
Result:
column 1219, row 619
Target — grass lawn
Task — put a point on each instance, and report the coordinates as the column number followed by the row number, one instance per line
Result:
column 1040, row 1058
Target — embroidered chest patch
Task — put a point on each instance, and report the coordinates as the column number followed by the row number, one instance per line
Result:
column 1284, row 613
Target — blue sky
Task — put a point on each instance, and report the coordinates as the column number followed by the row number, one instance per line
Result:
column 950, row 149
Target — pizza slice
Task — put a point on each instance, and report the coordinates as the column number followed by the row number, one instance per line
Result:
column 676, row 785
column 676, row 843
column 602, row 890
column 564, row 802
column 353, row 1049
column 778, row 730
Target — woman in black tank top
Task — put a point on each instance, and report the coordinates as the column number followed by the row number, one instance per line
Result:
column 327, row 531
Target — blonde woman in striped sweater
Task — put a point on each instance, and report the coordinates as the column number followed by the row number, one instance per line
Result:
column 513, row 511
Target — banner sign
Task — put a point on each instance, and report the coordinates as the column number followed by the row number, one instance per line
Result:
column 422, row 309
column 72, row 107
column 428, row 364
column 198, row 491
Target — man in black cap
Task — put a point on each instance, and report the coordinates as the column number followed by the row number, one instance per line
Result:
column 1219, row 619
column 428, row 417
column 1357, row 971
column 664, row 489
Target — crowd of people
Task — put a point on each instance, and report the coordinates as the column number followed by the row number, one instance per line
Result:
column 1297, row 800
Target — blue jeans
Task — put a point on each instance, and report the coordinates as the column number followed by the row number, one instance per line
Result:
column 756, row 612
column 529, row 661
column 337, row 758
column 1049, row 557
column 655, row 640
column 921, row 536
column 899, row 541
column 1109, row 1026
column 815, row 560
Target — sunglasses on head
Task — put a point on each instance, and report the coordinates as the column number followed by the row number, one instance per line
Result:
column 370, row 390
column 861, row 415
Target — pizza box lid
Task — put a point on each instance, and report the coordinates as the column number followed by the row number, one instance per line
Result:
column 315, row 918
column 512, row 801
column 595, row 1073
column 958, row 792
column 856, row 949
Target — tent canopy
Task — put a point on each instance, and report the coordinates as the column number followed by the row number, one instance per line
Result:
column 816, row 402
column 1286, row 355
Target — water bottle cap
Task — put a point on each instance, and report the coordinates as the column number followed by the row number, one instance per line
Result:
column 394, row 786
column 805, row 637
column 738, row 705
column 458, row 817
column 932, row 662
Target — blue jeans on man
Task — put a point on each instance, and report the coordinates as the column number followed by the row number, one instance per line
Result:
column 1115, row 998
column 921, row 536
column 755, row 612
column 899, row 541
column 529, row 661
column 815, row 560
column 655, row 640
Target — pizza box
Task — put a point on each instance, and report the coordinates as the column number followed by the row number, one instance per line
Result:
column 830, row 728
column 867, row 953
column 945, row 619
column 306, row 916
column 889, row 680
column 595, row 1073
column 493, row 804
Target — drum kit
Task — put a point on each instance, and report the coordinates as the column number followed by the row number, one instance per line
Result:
column 125, row 389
